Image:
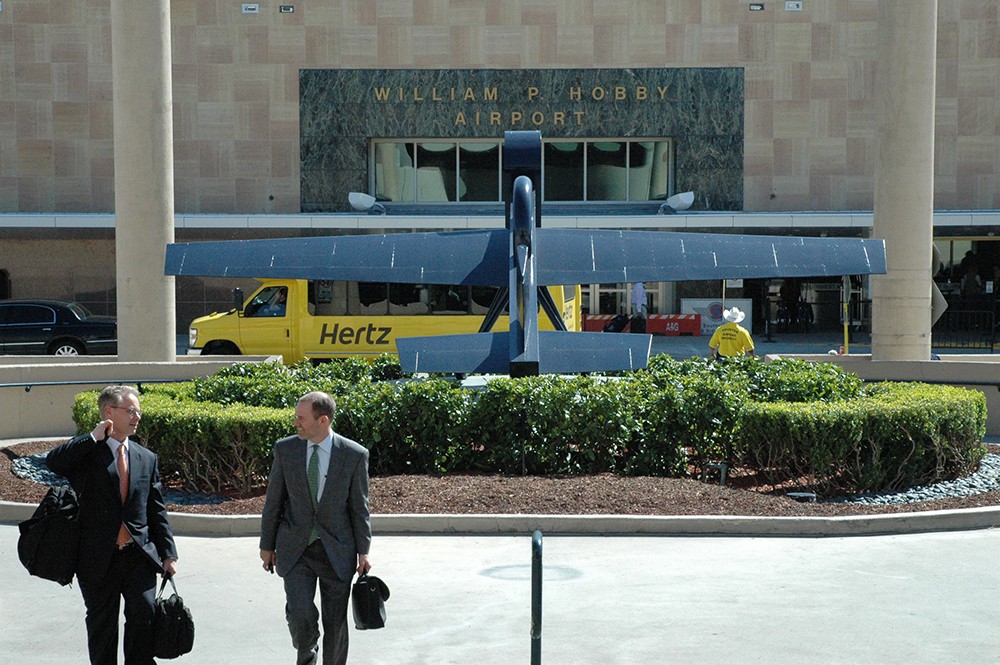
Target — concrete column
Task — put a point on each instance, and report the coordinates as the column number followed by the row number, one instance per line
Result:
column 904, row 178
column 144, row 170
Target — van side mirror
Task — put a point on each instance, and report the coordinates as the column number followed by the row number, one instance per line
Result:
column 238, row 300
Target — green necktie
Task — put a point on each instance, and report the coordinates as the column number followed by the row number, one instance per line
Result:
column 312, row 474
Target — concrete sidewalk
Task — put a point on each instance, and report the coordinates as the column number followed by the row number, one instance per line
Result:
column 921, row 598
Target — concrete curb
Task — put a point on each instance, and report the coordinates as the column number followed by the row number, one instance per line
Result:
column 696, row 525
column 223, row 526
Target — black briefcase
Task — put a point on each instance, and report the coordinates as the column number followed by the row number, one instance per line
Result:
column 368, row 602
column 617, row 324
column 173, row 627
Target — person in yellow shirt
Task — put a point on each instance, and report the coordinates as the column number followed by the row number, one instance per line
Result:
column 731, row 339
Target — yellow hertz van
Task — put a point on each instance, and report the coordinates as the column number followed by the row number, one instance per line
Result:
column 322, row 319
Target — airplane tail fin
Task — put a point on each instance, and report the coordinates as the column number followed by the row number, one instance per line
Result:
column 559, row 352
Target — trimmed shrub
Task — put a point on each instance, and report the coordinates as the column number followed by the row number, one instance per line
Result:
column 386, row 368
column 547, row 424
column 210, row 447
column 659, row 449
column 813, row 441
column 411, row 427
column 809, row 422
column 277, row 386
column 782, row 380
column 895, row 437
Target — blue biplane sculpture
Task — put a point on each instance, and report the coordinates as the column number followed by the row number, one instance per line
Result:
column 522, row 259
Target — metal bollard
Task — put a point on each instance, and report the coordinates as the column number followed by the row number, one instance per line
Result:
column 536, row 598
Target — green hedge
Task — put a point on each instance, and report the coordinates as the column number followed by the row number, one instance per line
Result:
column 791, row 419
column 545, row 425
column 411, row 427
column 894, row 437
column 209, row 446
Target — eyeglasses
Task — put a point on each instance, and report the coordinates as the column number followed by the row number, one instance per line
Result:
column 132, row 411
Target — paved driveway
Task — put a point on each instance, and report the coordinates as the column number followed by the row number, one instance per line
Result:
column 921, row 598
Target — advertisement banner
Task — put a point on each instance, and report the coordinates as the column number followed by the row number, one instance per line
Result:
column 711, row 311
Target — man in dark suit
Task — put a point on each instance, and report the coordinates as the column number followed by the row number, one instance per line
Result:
column 125, row 539
column 315, row 527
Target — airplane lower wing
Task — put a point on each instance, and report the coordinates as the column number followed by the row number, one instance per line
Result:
column 478, row 258
column 576, row 256
column 489, row 353
column 473, row 353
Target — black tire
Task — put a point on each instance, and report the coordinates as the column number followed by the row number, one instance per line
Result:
column 220, row 349
column 66, row 347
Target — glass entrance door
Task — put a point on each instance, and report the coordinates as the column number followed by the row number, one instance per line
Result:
column 615, row 298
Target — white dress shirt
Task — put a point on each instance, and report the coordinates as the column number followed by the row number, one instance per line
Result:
column 113, row 445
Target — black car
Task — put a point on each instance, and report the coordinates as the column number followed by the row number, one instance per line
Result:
column 54, row 327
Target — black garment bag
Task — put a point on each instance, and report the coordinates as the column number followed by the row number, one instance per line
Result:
column 50, row 538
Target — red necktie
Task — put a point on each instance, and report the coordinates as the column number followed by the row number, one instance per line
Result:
column 123, row 535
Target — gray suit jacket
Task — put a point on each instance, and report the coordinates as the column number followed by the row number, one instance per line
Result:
column 341, row 513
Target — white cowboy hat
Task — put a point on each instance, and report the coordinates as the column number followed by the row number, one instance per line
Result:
column 733, row 315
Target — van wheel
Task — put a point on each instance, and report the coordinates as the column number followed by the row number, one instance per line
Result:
column 220, row 349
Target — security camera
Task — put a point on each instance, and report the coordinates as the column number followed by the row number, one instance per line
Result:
column 361, row 201
column 676, row 203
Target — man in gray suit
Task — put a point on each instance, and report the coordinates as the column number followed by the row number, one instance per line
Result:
column 316, row 527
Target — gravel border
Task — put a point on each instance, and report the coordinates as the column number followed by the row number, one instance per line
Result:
column 35, row 469
column 986, row 479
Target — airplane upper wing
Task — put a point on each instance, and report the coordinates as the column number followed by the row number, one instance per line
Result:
column 577, row 256
column 566, row 256
column 453, row 257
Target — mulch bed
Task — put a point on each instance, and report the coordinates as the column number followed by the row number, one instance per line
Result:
column 600, row 494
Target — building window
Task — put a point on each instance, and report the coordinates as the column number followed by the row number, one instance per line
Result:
column 563, row 171
column 435, row 171
column 479, row 172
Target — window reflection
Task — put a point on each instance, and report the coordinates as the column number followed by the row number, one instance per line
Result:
column 592, row 170
column 267, row 302
column 446, row 299
column 563, row 168
column 479, row 172
column 395, row 174
column 640, row 170
column 436, row 172
column 660, row 173
column 607, row 171
column 372, row 298
column 482, row 298
column 408, row 299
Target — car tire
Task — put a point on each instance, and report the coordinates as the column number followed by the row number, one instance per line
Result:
column 66, row 347
column 220, row 349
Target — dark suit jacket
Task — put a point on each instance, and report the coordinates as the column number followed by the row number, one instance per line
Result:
column 91, row 469
column 341, row 514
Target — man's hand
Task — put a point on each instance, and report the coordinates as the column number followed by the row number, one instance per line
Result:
column 169, row 566
column 269, row 558
column 364, row 565
column 102, row 431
